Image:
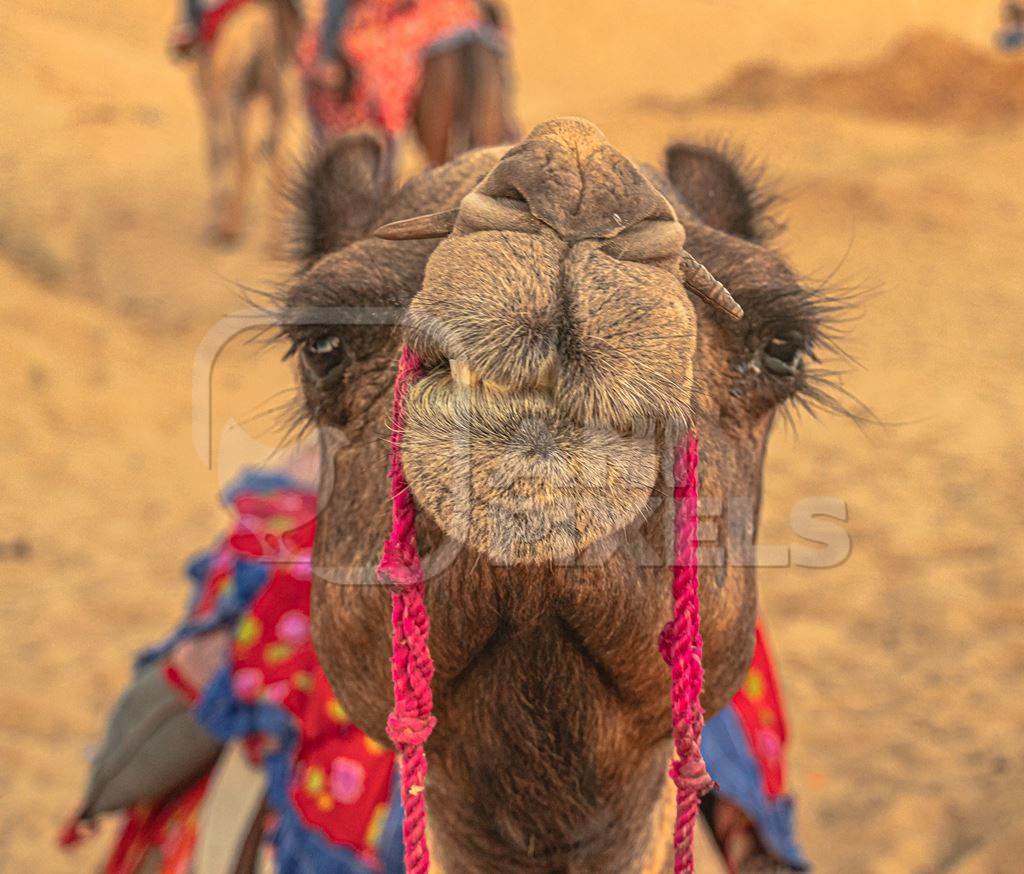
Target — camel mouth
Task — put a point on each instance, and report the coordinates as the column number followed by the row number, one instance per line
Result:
column 452, row 388
column 511, row 474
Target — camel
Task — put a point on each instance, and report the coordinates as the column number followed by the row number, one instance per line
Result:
column 250, row 57
column 463, row 100
column 544, row 288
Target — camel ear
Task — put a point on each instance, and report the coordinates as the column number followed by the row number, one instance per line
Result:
column 340, row 195
column 724, row 191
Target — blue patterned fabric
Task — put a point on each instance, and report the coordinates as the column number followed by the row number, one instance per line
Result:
column 734, row 768
column 299, row 849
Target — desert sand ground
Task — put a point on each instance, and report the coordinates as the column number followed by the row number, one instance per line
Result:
column 902, row 666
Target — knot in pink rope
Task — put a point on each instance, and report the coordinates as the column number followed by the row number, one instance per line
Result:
column 409, row 728
column 399, row 566
column 690, row 775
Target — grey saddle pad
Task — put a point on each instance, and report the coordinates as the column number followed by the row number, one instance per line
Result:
column 153, row 747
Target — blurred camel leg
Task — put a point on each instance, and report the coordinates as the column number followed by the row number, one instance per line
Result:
column 248, row 58
column 463, row 102
column 222, row 85
column 275, row 152
column 279, row 82
column 436, row 107
column 487, row 123
column 229, row 172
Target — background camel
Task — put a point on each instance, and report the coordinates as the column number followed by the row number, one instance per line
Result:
column 108, row 292
column 251, row 57
column 464, row 101
column 464, row 96
column 563, row 358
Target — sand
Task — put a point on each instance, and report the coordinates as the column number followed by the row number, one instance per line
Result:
column 925, row 76
column 902, row 666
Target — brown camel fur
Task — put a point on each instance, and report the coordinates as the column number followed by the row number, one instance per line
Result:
column 565, row 357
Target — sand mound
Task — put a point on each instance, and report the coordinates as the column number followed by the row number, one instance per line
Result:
column 926, row 76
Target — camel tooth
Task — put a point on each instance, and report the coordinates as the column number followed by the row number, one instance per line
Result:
column 463, row 374
column 497, row 387
column 548, row 377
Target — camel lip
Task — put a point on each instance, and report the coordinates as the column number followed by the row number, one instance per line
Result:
column 475, row 401
column 465, row 376
column 510, row 475
column 473, row 388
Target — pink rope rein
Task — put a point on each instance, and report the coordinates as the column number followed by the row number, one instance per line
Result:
column 682, row 647
column 412, row 668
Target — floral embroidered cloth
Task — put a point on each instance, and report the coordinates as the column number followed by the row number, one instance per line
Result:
column 329, row 785
column 744, row 748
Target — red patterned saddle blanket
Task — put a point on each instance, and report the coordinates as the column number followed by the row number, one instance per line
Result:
column 386, row 42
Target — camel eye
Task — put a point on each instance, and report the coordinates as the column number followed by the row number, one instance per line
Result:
column 783, row 355
column 323, row 355
column 326, row 345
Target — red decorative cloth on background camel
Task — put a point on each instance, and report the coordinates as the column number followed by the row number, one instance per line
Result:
column 201, row 20
column 385, row 43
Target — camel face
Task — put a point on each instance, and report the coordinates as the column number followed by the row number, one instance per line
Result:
column 549, row 301
column 558, row 342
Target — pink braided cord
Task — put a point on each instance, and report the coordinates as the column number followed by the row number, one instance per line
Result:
column 682, row 647
column 412, row 668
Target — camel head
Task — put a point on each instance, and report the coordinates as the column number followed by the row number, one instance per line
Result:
column 558, row 340
column 564, row 304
